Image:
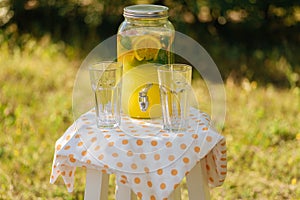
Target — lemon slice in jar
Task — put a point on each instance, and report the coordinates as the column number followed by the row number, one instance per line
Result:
column 146, row 47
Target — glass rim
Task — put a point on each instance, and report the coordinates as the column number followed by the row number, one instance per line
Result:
column 178, row 67
column 105, row 65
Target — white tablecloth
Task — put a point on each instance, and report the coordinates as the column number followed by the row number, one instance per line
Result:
column 148, row 159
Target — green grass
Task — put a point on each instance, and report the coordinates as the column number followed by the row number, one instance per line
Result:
column 262, row 129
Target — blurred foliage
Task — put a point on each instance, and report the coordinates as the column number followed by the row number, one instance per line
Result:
column 246, row 38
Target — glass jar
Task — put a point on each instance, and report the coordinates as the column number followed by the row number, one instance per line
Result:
column 144, row 42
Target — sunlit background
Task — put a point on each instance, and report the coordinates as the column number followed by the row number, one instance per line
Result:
column 255, row 45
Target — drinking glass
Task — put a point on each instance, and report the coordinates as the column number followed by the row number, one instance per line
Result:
column 106, row 81
column 175, row 87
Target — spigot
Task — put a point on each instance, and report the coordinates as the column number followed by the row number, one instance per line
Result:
column 143, row 97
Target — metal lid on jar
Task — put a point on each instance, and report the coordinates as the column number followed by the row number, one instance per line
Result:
column 146, row 11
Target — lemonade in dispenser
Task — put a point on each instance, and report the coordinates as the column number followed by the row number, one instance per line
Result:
column 144, row 42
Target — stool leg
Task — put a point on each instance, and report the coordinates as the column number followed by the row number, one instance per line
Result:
column 197, row 184
column 123, row 192
column 176, row 194
column 96, row 187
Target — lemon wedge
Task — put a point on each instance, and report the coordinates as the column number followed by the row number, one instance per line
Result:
column 146, row 47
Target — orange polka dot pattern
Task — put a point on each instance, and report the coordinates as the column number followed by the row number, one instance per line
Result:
column 149, row 160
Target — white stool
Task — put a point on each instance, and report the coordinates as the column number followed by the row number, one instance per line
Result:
column 97, row 186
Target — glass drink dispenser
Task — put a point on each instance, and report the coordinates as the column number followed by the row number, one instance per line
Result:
column 144, row 42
